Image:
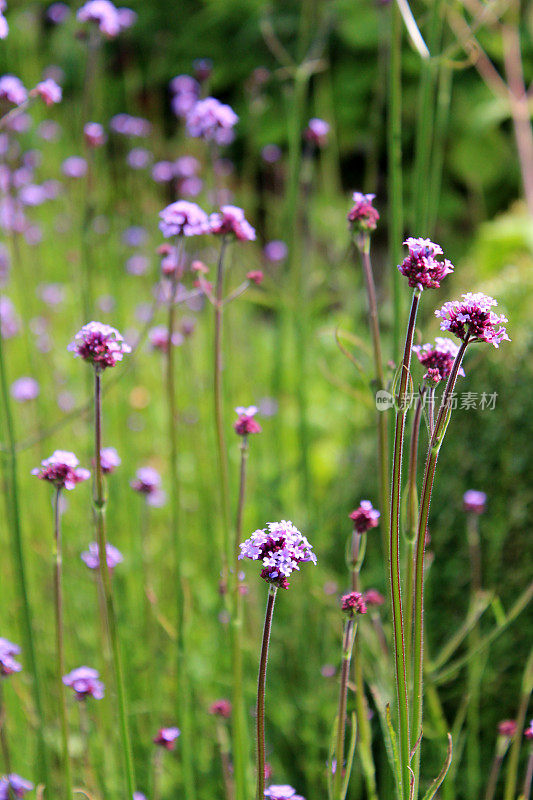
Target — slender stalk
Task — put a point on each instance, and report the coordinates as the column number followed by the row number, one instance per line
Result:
column 19, row 564
column 412, row 509
column 435, row 443
column 99, row 502
column 157, row 770
column 511, row 777
column 3, row 737
column 60, row 657
column 526, row 791
column 493, row 776
column 225, row 759
column 350, row 629
column 223, row 482
column 474, row 669
column 394, row 554
column 261, row 682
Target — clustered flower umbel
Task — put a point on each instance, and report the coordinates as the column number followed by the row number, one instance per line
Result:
column 166, row 737
column 109, row 460
column 85, row 683
column 62, row 470
column 365, row 517
column 363, row 217
column 148, row 482
column 421, row 266
column 211, row 120
column 438, row 358
column 474, row 501
column 472, row 319
column 282, row 792
column 183, row 218
column 8, row 665
column 91, row 557
column 231, row 220
column 109, row 19
column 100, row 345
column 353, row 603
column 245, row 423
column 14, row 786
column 281, row 548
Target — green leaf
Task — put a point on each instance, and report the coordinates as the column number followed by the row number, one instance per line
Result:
column 351, row 752
column 435, row 786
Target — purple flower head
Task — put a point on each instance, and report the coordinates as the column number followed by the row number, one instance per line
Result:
column 110, row 20
column 91, row 557
column 507, row 728
column 85, row 682
column 221, row 708
column 166, row 737
column 18, row 786
column 62, row 470
column 57, row 13
column 100, row 345
column 184, row 84
column 8, row 665
column 282, row 793
column 211, row 120
column 231, row 219
column 12, row 90
column 148, row 482
column 159, row 338
column 24, row 389
column 48, row 91
column 127, row 125
column 33, row 195
column 163, row 171
column 186, row 166
column 472, row 318
column 353, row 603
column 275, row 251
column 474, row 501
column 245, row 423
column 137, row 264
column 94, row 134
column 183, row 219
column 139, row 158
column 271, row 153
column 438, row 359
column 365, row 517
column 421, row 266
column 528, row 733
column 281, row 548
column 373, row 598
column 363, row 217
column 203, row 67
column 74, row 167
column 317, row 132
column 109, row 460
column 135, row 236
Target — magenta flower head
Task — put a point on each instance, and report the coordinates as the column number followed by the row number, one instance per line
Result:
column 364, row 517
column 94, row 134
column 14, row 786
column 183, row 218
column 438, row 359
column 353, row 603
column 281, row 792
column 421, row 266
column 373, row 598
column 474, row 501
column 12, row 90
column 528, row 733
column 363, row 217
column 85, row 682
column 281, row 548
column 110, row 20
column 62, row 470
column 166, row 737
column 472, row 319
column 231, row 220
column 507, row 728
column 211, row 120
column 8, row 665
column 91, row 557
column 100, row 345
column 221, row 708
column 24, row 389
column 74, row 167
column 317, row 132
column 48, row 91
column 148, row 482
column 159, row 338
column 109, row 460
column 245, row 423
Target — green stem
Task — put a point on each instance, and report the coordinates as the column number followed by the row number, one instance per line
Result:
column 99, row 503
column 526, row 791
column 223, row 482
column 493, row 776
column 3, row 738
column 350, row 629
column 412, row 513
column 474, row 665
column 511, row 777
column 261, row 682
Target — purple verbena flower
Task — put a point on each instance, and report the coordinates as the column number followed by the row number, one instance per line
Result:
column 4, row 27
column 373, row 598
column 363, row 217
column 231, row 220
column 109, row 19
column 221, row 708
column 474, row 501
column 148, row 482
column 159, row 338
column 245, row 423
column 48, row 91
column 166, row 737
column 24, row 389
column 211, row 120
column 12, row 90
column 281, row 548
column 203, row 67
column 94, row 134
column 317, row 132
column 507, row 728
column 438, row 358
column 421, row 266
column 183, row 218
column 109, row 460
column 472, row 318
column 282, row 792
column 74, row 167
column 62, row 470
column 100, row 345
column 91, row 557
column 8, row 665
column 57, row 13
column 127, row 125
column 365, row 517
column 275, row 251
column 85, row 682
column 18, row 786
column 353, row 603
column 139, row 158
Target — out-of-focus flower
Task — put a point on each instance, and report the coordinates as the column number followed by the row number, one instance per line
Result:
column 231, row 220
column 183, row 218
column 15, row 786
column 91, row 557
column 186, row 91
column 49, row 130
column 85, row 682
column 363, row 217
column 4, row 27
column 474, row 501
column 94, row 134
column 281, row 548
column 100, row 345
column 74, row 167
column 211, row 120
column 48, row 91
column 472, row 318
column 365, row 517
column 109, row 460
column 109, row 19
column 203, row 67
column 245, row 422
column 421, row 266
column 186, row 166
column 24, row 389
column 159, row 338
column 8, row 665
column 373, row 598
column 282, row 792
column 137, row 264
column 163, row 171
column 135, row 236
column 12, row 90
column 507, row 728
column 317, row 132
column 166, row 737
column 221, row 708
column 528, row 733
column 57, row 13
column 271, row 153
column 126, row 125
column 139, row 158
column 255, row 276
column 33, row 195
column 62, row 470
column 275, row 251
column 438, row 359
column 148, row 482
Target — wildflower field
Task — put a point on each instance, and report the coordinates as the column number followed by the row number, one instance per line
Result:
column 265, row 340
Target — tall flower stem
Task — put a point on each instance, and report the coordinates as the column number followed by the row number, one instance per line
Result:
column 511, row 777
column 261, row 683
column 526, row 791
column 99, row 502
column 240, row 737
column 348, row 637
column 437, row 437
column 60, row 657
column 475, row 664
column 394, row 553
column 494, row 775
column 225, row 759
column 19, row 563
column 3, row 733
column 219, row 415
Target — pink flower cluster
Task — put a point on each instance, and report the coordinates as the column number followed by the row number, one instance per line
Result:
column 166, row 737
column 94, row 134
column 91, row 557
column 109, row 19
column 438, row 359
column 8, row 665
column 474, row 501
column 472, row 318
column 85, row 682
column 231, row 220
column 363, row 216
column 373, row 598
column 421, row 266
column 126, row 125
column 282, row 792
column 12, row 90
column 353, row 603
column 100, row 345
column 221, row 708
column 109, row 460
column 184, row 218
column 62, row 470
column 281, row 548
column 317, row 132
column 148, row 482
column 245, row 423
column 186, row 91
column 211, row 120
column 48, row 91
column 365, row 517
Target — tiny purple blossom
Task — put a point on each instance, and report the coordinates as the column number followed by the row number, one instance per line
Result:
column 94, row 134
column 91, row 557
column 365, row 517
column 421, row 266
column 166, row 737
column 474, row 501
column 159, row 338
column 4, row 27
column 139, row 158
column 282, row 792
column 438, row 359
column 245, row 422
column 231, row 219
column 148, row 482
column 109, row 19
column 126, row 125
column 317, row 132
column 74, row 167
column 62, row 470
column 12, row 90
column 528, row 733
column 24, row 389
column 8, row 665
column 211, row 120
column 281, row 548
column 109, row 460
column 85, row 682
column 15, row 786
column 472, row 318
column 57, row 13
column 100, row 345
column 183, row 218
column 48, row 91
column 363, row 217
column 275, row 251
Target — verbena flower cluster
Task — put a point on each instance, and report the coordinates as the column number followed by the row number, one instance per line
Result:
column 109, row 19
column 365, row 517
column 221, row 708
column 474, row 501
column 211, row 120
column 353, row 603
column 100, row 345
column 91, row 557
column 317, row 132
column 62, row 470
column 421, row 266
column 8, row 665
column 281, row 547
column 148, row 482
column 85, row 682
column 363, row 217
column 14, row 786
column 472, row 318
column 231, row 220
column 438, row 358
column 245, row 423
column 109, row 460
column 282, row 792
column 183, row 218
column 166, row 737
